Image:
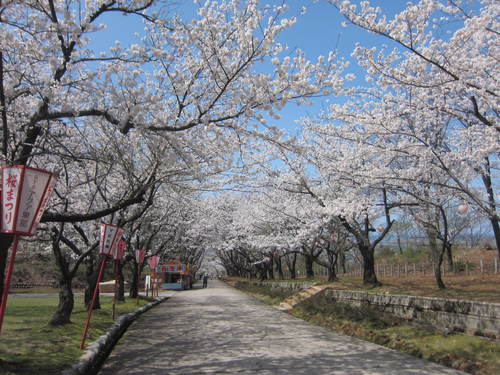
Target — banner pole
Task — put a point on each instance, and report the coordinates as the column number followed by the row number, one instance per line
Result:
column 6, row 284
column 91, row 307
column 138, row 278
column 116, row 288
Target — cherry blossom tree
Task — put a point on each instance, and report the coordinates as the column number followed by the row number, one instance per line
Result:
column 428, row 117
column 102, row 183
column 336, row 242
column 198, row 87
column 327, row 172
column 434, row 98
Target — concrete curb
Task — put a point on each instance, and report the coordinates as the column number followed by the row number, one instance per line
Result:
column 91, row 361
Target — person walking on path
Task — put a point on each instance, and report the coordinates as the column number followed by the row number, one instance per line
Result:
column 224, row 331
column 205, row 280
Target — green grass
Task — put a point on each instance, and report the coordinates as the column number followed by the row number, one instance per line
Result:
column 28, row 345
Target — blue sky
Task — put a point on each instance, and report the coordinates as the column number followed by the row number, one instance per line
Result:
column 317, row 32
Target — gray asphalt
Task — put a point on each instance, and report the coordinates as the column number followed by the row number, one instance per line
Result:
column 219, row 330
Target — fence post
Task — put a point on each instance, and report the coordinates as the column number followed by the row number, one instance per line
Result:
column 466, row 268
column 406, row 269
column 496, row 265
column 481, row 265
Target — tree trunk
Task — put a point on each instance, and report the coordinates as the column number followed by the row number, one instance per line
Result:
column 66, row 303
column 262, row 271
column 5, row 242
column 279, row 268
column 437, row 274
column 449, row 257
column 66, row 300
column 332, row 267
column 291, row 264
column 134, row 285
column 293, row 272
column 492, row 204
column 399, row 244
column 91, row 275
column 270, row 268
column 332, row 273
column 342, row 262
column 369, row 275
column 120, row 296
column 309, row 262
column 496, row 231
column 437, row 257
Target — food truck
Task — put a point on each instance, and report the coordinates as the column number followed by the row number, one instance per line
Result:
column 174, row 275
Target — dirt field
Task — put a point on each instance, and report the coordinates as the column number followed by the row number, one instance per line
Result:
column 475, row 287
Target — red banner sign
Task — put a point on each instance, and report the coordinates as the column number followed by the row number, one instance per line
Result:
column 139, row 256
column 119, row 250
column 176, row 268
column 110, row 235
column 153, row 261
column 25, row 193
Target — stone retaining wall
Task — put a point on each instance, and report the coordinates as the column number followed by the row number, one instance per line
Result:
column 298, row 286
column 477, row 318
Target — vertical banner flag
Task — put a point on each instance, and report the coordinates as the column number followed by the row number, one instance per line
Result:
column 25, row 193
column 153, row 262
column 119, row 250
column 139, row 255
column 110, row 235
column 118, row 253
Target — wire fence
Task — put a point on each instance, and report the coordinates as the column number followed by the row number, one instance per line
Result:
column 28, row 285
column 459, row 268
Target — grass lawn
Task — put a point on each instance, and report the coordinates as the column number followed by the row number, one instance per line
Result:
column 28, row 345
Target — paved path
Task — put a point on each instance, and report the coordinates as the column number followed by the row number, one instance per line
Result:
column 220, row 330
